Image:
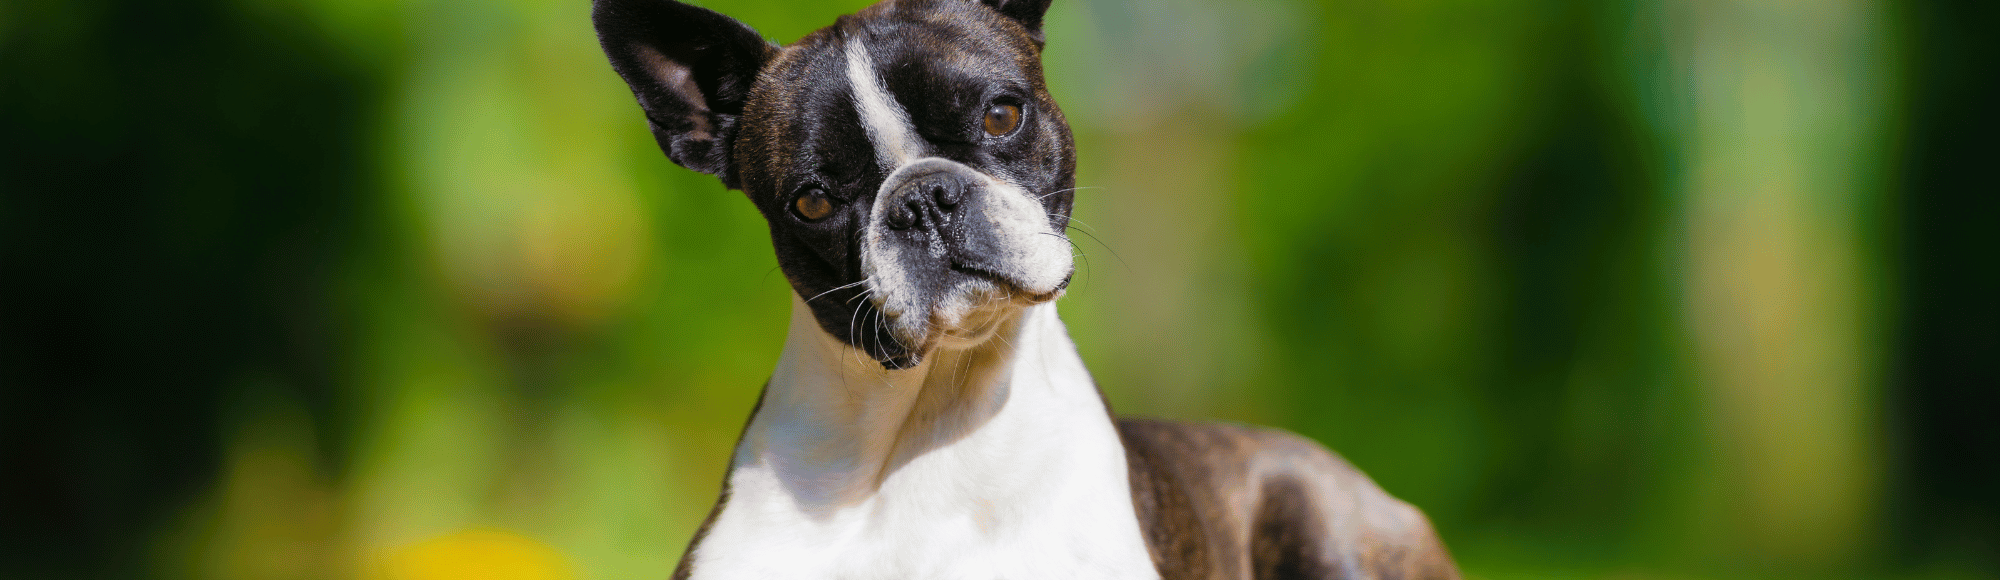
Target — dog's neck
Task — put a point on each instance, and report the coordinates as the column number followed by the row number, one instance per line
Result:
column 998, row 460
column 834, row 425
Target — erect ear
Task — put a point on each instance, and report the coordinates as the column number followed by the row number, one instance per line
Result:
column 691, row 69
column 1027, row 12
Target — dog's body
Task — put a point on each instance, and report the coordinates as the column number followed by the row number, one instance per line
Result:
column 929, row 417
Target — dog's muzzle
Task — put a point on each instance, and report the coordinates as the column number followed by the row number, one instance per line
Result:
column 946, row 240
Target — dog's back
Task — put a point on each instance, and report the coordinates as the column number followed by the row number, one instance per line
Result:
column 1225, row 502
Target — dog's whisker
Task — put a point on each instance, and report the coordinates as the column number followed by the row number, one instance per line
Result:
column 1107, row 247
column 963, row 368
column 853, row 322
column 836, row 289
column 1086, row 225
column 882, row 323
column 864, row 293
column 1043, row 197
column 878, row 335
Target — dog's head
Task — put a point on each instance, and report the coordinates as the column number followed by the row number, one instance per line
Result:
column 915, row 173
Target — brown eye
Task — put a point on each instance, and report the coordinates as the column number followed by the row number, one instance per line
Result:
column 1001, row 119
column 813, row 206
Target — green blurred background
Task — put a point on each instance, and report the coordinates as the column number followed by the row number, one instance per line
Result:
column 403, row 288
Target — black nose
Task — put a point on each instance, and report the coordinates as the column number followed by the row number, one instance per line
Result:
column 931, row 200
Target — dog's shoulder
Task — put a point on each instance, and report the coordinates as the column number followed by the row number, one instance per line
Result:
column 1220, row 500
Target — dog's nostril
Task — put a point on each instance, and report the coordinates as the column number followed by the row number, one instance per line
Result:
column 947, row 197
column 902, row 217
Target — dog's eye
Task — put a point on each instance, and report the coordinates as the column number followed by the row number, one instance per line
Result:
column 813, row 205
column 1001, row 119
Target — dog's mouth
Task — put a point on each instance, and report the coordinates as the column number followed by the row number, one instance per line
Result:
column 980, row 301
column 1014, row 289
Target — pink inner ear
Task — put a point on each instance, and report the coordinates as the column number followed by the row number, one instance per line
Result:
column 679, row 80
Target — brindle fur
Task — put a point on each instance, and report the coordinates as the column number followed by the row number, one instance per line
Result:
column 1228, row 502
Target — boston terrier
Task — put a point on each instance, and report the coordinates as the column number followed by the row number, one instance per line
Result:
column 929, row 417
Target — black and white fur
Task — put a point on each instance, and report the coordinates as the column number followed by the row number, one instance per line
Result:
column 929, row 417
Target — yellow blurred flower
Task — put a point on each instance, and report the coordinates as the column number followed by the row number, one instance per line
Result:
column 478, row 554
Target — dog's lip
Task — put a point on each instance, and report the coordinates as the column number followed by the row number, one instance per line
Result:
column 1007, row 283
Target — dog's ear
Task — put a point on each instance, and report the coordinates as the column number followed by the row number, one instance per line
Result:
column 691, row 69
column 1027, row 12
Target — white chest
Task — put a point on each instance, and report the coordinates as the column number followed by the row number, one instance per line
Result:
column 995, row 466
column 928, row 524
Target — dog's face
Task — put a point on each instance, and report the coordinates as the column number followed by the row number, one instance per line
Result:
column 913, row 169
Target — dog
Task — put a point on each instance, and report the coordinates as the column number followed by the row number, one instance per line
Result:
column 929, row 416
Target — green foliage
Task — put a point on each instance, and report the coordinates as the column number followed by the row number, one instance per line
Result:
column 343, row 288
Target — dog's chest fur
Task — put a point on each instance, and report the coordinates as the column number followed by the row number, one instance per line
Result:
column 1019, row 473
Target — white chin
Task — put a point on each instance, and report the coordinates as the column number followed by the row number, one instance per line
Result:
column 968, row 317
column 977, row 326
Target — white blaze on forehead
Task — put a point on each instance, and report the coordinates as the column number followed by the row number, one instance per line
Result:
column 887, row 124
